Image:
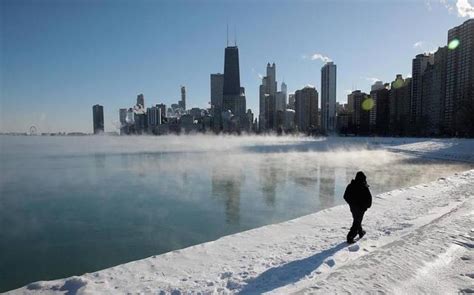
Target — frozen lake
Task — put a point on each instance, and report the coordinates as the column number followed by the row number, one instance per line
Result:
column 70, row 205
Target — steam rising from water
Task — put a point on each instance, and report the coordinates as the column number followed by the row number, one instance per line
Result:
column 74, row 146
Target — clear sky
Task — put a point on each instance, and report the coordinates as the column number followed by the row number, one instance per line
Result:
column 58, row 58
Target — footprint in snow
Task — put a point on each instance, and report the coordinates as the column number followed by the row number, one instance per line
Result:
column 226, row 275
column 330, row 262
column 354, row 248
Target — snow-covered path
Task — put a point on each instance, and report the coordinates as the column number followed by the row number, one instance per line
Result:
column 419, row 238
column 434, row 258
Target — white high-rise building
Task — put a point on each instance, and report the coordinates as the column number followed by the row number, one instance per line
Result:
column 328, row 97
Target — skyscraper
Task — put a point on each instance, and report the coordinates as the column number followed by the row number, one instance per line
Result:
column 139, row 120
column 328, row 97
column 162, row 107
column 400, row 98
column 98, row 118
column 434, row 93
column 280, row 101
column 378, row 85
column 123, row 121
column 262, row 92
column 249, row 121
column 270, row 112
column 233, row 94
column 271, row 79
column 217, row 88
column 231, row 85
column 153, row 115
column 271, row 100
column 141, row 100
column 419, row 64
column 291, row 101
column 460, row 79
column 382, row 109
column 360, row 114
column 217, row 100
column 280, row 97
column 284, row 88
column 289, row 120
column 123, row 116
column 284, row 93
column 306, row 109
column 182, row 102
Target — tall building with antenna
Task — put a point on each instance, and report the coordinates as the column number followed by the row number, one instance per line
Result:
column 233, row 94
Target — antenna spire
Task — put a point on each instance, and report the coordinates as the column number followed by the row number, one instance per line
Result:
column 235, row 36
column 227, row 35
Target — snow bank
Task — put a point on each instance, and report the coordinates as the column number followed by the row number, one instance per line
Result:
column 456, row 149
column 419, row 239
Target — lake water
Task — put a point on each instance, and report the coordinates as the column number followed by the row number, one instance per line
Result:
column 70, row 205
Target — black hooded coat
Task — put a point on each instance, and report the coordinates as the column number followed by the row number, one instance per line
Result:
column 357, row 195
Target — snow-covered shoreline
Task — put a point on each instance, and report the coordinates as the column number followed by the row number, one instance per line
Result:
column 415, row 235
column 442, row 149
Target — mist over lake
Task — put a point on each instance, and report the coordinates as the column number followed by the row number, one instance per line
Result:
column 70, row 205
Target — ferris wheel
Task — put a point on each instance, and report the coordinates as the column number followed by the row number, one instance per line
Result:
column 33, row 130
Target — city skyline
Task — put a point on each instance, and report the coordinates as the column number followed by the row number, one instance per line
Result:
column 42, row 88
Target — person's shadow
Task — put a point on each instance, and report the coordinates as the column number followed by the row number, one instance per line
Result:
column 288, row 273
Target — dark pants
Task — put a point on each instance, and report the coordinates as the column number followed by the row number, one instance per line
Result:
column 356, row 228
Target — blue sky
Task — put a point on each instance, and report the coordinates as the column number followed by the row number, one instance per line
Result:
column 58, row 58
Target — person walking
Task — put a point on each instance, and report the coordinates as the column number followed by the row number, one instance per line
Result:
column 358, row 196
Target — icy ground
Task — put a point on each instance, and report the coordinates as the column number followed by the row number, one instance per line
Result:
column 419, row 240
